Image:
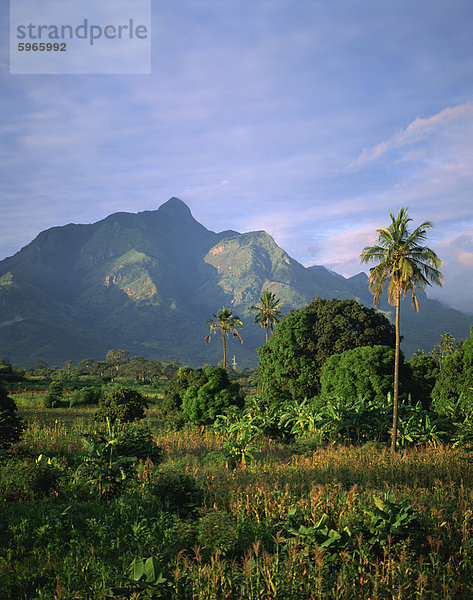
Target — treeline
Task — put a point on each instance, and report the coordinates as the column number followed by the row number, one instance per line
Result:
column 117, row 366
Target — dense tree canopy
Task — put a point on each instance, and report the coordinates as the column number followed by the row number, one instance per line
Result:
column 125, row 404
column 202, row 393
column 365, row 372
column 455, row 379
column 291, row 362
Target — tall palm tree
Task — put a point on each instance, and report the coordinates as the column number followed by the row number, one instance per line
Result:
column 404, row 265
column 267, row 311
column 227, row 323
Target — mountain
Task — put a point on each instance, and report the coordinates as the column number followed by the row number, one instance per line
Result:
column 147, row 282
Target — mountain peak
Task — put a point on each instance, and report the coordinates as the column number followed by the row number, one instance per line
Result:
column 175, row 206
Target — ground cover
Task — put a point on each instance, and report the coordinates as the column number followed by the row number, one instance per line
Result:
column 295, row 522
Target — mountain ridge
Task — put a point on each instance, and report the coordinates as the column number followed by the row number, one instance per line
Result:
column 148, row 281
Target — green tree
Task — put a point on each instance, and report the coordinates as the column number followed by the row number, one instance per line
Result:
column 125, row 404
column 292, row 360
column 403, row 265
column 226, row 323
column 202, row 403
column 11, row 425
column 455, row 379
column 117, row 358
column 267, row 312
column 445, row 347
column 424, row 374
column 362, row 372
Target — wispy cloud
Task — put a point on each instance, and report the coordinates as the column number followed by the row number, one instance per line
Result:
column 415, row 131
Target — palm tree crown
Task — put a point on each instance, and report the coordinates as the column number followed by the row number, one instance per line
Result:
column 267, row 312
column 404, row 264
column 227, row 323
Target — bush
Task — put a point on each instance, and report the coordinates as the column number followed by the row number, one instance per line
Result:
column 137, row 440
column 202, row 404
column 85, row 396
column 11, row 425
column 125, row 404
column 178, row 492
column 54, row 395
column 27, row 480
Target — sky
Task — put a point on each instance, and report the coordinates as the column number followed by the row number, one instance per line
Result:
column 309, row 119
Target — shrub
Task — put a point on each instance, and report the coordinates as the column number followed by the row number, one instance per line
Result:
column 11, row 425
column 54, row 395
column 137, row 440
column 27, row 480
column 178, row 492
column 125, row 404
column 202, row 404
column 86, row 396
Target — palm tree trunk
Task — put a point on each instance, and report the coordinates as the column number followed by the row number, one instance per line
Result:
column 396, row 376
column 224, row 351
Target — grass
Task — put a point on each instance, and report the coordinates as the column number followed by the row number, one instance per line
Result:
column 233, row 540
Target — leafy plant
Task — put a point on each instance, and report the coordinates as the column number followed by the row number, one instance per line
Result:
column 125, row 404
column 145, row 578
column 54, row 395
column 103, row 466
column 391, row 519
column 241, row 442
column 328, row 539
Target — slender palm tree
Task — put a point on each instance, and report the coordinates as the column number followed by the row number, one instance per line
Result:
column 403, row 265
column 227, row 323
column 267, row 311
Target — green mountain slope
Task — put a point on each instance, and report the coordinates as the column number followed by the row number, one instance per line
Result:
column 148, row 281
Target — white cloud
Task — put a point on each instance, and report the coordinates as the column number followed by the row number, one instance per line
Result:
column 416, row 131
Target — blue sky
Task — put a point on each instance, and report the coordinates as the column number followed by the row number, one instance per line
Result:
column 310, row 119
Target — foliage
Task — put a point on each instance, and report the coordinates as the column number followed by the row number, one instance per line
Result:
column 85, row 396
column 125, row 404
column 267, row 312
column 225, row 323
column 54, row 394
column 137, row 440
column 147, row 576
column 291, row 362
column 321, row 533
column 444, row 348
column 202, row 403
column 402, row 265
column 390, row 521
column 27, row 480
column 362, row 372
column 11, row 425
column 424, row 375
column 217, row 532
column 241, row 437
column 107, row 465
column 455, row 378
column 177, row 492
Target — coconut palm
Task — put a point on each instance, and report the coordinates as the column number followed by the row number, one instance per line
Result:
column 227, row 323
column 267, row 311
column 403, row 265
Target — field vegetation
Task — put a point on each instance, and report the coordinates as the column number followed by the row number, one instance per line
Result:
column 131, row 479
